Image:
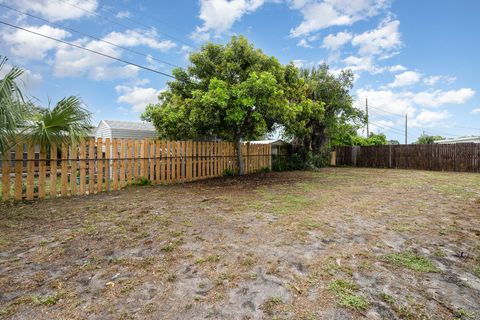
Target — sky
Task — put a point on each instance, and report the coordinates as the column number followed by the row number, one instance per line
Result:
column 414, row 58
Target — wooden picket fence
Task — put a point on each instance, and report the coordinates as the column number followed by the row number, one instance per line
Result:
column 96, row 166
column 463, row 157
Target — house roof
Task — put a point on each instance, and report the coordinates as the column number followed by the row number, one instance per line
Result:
column 129, row 125
column 472, row 139
column 277, row 142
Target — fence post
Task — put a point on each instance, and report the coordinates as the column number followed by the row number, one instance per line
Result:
column 390, row 156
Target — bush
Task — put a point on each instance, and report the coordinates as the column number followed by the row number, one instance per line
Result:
column 264, row 169
column 319, row 160
column 142, row 181
column 288, row 163
column 228, row 172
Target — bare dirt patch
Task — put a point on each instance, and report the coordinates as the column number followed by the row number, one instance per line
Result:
column 340, row 243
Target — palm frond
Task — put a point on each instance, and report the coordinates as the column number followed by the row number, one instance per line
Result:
column 67, row 122
column 11, row 102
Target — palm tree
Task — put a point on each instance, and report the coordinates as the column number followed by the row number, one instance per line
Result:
column 67, row 122
column 12, row 113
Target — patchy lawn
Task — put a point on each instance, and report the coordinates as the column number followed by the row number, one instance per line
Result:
column 340, row 243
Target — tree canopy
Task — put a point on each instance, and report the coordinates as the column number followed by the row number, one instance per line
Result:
column 233, row 91
column 427, row 139
column 236, row 92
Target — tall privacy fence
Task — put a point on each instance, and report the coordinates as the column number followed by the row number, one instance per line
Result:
column 95, row 166
column 463, row 157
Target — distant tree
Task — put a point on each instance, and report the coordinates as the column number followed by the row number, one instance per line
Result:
column 327, row 117
column 427, row 139
column 231, row 91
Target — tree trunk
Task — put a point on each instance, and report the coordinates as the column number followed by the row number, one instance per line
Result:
column 239, row 158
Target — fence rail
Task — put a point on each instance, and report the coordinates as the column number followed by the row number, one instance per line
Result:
column 463, row 157
column 95, row 166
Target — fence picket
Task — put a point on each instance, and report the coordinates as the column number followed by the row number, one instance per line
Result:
column 104, row 165
column 64, row 170
column 53, row 171
column 440, row 157
column 99, row 165
column 83, row 167
column 73, row 166
column 91, row 166
column 107, row 163
column 115, row 164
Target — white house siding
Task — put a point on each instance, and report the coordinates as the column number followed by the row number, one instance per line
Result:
column 103, row 131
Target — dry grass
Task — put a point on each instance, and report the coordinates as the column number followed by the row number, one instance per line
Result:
column 339, row 243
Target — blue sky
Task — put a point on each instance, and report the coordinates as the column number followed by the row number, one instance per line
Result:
column 410, row 57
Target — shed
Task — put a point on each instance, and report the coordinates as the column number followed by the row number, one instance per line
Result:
column 114, row 129
column 279, row 147
column 472, row 139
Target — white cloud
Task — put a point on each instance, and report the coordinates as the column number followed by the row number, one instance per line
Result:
column 27, row 81
column 382, row 41
column 427, row 118
column 359, row 64
column 304, row 43
column 73, row 62
column 382, row 126
column 123, row 14
column 137, row 97
column 133, row 38
column 477, row 110
column 396, row 68
column 406, row 78
column 433, row 80
column 334, row 42
column 299, row 63
column 439, row 97
column 58, row 10
column 386, row 102
column 219, row 15
column 319, row 15
column 30, row 46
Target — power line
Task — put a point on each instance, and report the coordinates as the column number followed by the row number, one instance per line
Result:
column 411, row 128
column 395, row 130
column 149, row 26
column 121, row 24
column 89, row 36
column 89, row 50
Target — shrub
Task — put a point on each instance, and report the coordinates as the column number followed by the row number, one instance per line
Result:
column 264, row 169
column 142, row 181
column 288, row 163
column 228, row 172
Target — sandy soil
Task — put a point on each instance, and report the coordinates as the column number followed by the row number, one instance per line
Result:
column 340, row 243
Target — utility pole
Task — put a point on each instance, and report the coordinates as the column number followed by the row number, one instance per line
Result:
column 406, row 128
column 366, row 108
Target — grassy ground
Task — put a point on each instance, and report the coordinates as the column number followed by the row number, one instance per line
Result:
column 340, row 243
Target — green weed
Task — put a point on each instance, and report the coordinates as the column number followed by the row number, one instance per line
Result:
column 344, row 290
column 411, row 261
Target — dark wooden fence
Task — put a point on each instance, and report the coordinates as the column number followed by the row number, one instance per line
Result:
column 463, row 157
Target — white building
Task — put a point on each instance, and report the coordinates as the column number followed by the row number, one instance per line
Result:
column 459, row 140
column 125, row 130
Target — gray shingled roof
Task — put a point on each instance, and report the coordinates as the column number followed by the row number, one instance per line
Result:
column 130, row 125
